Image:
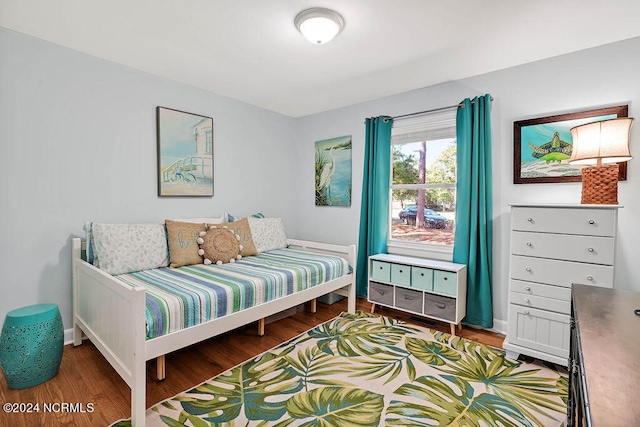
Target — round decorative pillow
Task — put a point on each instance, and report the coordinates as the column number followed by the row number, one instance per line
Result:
column 219, row 245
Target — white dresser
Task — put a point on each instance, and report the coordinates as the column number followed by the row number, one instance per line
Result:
column 552, row 247
column 430, row 288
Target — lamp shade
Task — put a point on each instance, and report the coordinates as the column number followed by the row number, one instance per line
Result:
column 319, row 25
column 607, row 140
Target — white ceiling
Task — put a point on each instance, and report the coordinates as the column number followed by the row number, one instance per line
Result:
column 250, row 50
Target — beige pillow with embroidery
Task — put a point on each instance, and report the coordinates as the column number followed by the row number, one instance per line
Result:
column 183, row 242
column 243, row 231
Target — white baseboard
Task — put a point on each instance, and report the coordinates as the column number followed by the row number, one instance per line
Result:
column 68, row 336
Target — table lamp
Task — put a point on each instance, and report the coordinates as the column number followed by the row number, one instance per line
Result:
column 599, row 143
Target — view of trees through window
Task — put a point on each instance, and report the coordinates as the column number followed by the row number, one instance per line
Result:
column 423, row 191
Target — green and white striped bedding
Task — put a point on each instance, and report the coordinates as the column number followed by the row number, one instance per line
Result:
column 178, row 298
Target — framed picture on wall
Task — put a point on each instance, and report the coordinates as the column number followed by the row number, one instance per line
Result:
column 185, row 154
column 542, row 146
column 333, row 171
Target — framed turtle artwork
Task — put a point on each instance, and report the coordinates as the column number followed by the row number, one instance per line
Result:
column 542, row 146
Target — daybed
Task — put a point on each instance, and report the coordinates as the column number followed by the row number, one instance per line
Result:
column 112, row 310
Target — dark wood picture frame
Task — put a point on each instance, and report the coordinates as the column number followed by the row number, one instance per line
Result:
column 185, row 154
column 549, row 127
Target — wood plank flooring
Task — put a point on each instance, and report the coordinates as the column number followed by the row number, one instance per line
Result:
column 88, row 392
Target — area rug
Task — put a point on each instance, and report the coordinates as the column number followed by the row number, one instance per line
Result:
column 364, row 369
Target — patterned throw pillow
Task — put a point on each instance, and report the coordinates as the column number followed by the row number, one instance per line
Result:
column 219, row 245
column 91, row 252
column 268, row 233
column 183, row 242
column 232, row 218
column 242, row 229
column 124, row 248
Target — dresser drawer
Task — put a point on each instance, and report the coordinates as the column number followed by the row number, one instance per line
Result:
column 422, row 278
column 591, row 222
column 542, row 303
column 440, row 307
column 401, row 274
column 540, row 290
column 560, row 273
column 591, row 249
column 409, row 299
column 381, row 271
column 381, row 293
column 540, row 330
column 445, row 282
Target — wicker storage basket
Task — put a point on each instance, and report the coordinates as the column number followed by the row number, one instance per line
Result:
column 600, row 185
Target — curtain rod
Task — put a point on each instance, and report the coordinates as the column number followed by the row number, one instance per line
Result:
column 429, row 111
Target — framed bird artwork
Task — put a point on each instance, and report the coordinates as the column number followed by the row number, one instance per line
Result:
column 333, row 171
column 542, row 146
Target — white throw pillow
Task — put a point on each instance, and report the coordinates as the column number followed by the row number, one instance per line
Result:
column 124, row 248
column 268, row 233
column 216, row 220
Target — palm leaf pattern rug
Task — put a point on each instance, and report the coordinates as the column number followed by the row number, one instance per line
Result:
column 363, row 369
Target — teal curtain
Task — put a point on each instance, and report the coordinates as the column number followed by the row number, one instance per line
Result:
column 473, row 235
column 374, row 211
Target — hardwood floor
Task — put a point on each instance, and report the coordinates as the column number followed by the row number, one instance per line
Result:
column 88, row 392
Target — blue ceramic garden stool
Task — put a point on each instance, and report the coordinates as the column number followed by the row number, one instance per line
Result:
column 31, row 345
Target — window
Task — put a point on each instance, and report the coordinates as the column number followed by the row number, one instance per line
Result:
column 423, row 180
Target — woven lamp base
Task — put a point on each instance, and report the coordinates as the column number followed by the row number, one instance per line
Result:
column 600, row 185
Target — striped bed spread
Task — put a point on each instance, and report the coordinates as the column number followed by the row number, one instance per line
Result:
column 177, row 298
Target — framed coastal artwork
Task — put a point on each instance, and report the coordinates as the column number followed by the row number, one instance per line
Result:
column 542, row 146
column 185, row 154
column 333, row 171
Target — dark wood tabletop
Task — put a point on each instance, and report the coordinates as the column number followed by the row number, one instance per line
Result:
column 610, row 341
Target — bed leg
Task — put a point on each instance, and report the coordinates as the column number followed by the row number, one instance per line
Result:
column 161, row 372
column 373, row 307
column 351, row 300
column 314, row 305
column 261, row 327
column 77, row 335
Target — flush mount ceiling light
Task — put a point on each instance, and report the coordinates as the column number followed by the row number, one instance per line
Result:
column 319, row 25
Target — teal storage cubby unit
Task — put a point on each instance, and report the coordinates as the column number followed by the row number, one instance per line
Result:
column 426, row 287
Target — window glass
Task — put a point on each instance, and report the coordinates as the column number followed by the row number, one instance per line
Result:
column 423, row 182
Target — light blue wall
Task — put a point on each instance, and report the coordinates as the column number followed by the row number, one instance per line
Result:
column 77, row 143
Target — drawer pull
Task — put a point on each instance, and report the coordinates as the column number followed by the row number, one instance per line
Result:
column 526, row 312
column 441, row 305
column 529, row 244
column 589, row 277
column 590, row 249
column 528, row 269
column 591, row 222
column 528, row 301
column 445, row 278
column 528, row 289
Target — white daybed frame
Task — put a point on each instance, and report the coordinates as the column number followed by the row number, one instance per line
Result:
column 112, row 315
